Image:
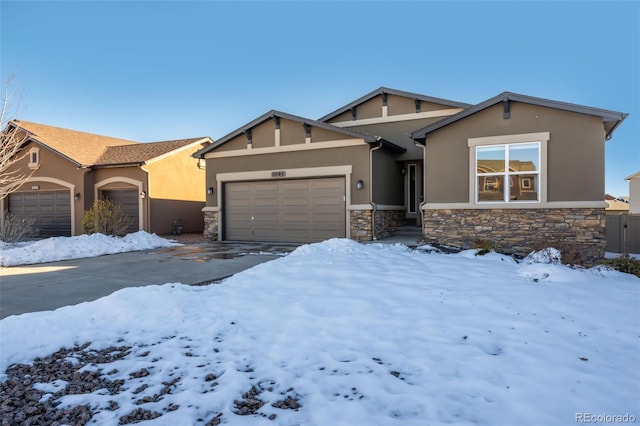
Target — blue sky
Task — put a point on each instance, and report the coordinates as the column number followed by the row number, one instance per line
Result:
column 157, row 70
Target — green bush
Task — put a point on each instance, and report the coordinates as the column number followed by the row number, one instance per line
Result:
column 624, row 264
column 17, row 228
column 105, row 217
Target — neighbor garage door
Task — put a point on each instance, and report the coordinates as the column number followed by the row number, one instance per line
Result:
column 51, row 210
column 128, row 199
column 300, row 210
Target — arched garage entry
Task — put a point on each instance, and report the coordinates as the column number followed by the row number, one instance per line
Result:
column 126, row 192
column 49, row 201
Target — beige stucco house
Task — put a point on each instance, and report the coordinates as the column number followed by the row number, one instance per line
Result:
column 517, row 170
column 157, row 183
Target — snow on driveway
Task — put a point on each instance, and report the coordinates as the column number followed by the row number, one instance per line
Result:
column 66, row 248
column 359, row 334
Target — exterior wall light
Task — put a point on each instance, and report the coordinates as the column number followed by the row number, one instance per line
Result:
column 76, row 196
column 143, row 194
column 210, row 190
column 359, row 184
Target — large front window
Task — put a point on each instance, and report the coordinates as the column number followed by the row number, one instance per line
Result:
column 508, row 172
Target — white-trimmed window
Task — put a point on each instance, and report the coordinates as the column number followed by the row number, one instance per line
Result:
column 509, row 168
column 34, row 158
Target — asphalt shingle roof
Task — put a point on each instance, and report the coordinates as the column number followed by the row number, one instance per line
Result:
column 88, row 149
column 80, row 147
column 140, row 153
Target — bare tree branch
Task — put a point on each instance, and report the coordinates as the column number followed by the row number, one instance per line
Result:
column 12, row 141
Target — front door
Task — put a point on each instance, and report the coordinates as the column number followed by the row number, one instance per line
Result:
column 413, row 190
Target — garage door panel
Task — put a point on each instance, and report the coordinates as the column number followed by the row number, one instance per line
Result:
column 297, row 210
column 128, row 199
column 50, row 209
column 265, row 202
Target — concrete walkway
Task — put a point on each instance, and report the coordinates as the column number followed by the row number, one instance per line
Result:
column 49, row 286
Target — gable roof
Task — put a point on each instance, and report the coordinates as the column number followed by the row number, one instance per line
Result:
column 611, row 119
column 88, row 149
column 273, row 113
column 81, row 148
column 381, row 90
column 145, row 152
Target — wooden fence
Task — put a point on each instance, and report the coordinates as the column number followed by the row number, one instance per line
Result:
column 623, row 233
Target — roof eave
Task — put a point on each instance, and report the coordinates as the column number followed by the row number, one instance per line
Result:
column 606, row 115
column 274, row 113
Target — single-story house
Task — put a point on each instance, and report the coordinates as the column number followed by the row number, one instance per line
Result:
column 157, row 183
column 517, row 170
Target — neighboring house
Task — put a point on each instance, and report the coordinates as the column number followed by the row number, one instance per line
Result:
column 516, row 170
column 634, row 193
column 616, row 205
column 156, row 183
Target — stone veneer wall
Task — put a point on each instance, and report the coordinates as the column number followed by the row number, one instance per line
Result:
column 386, row 223
column 360, row 221
column 519, row 231
column 211, row 219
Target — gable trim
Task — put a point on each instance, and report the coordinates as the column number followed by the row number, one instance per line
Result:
column 607, row 116
column 386, row 90
column 286, row 148
column 275, row 114
column 396, row 118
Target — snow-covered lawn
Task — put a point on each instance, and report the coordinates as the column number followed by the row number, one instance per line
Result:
column 65, row 248
column 360, row 335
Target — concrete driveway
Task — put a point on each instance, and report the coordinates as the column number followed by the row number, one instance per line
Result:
column 48, row 286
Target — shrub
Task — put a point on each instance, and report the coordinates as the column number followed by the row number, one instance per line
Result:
column 17, row 228
column 485, row 246
column 624, row 264
column 105, row 217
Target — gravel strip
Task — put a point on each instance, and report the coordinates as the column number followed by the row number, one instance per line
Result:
column 31, row 392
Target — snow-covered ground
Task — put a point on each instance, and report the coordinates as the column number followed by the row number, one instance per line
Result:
column 65, row 248
column 361, row 334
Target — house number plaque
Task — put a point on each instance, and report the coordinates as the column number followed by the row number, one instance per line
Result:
column 281, row 173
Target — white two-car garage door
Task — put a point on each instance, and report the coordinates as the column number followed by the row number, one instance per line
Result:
column 295, row 210
column 50, row 209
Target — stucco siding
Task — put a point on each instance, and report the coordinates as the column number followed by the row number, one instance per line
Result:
column 239, row 142
column 319, row 134
column 176, row 177
column 370, row 109
column 291, row 132
column 397, row 132
column 345, row 116
column 115, row 173
column 387, row 179
column 397, row 105
column 264, row 135
column 575, row 160
column 357, row 156
column 634, row 195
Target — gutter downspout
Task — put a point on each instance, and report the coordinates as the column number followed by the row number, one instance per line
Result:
column 374, row 206
column 424, row 184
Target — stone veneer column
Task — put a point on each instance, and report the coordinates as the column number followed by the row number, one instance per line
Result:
column 520, row 231
column 361, row 229
column 211, row 219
